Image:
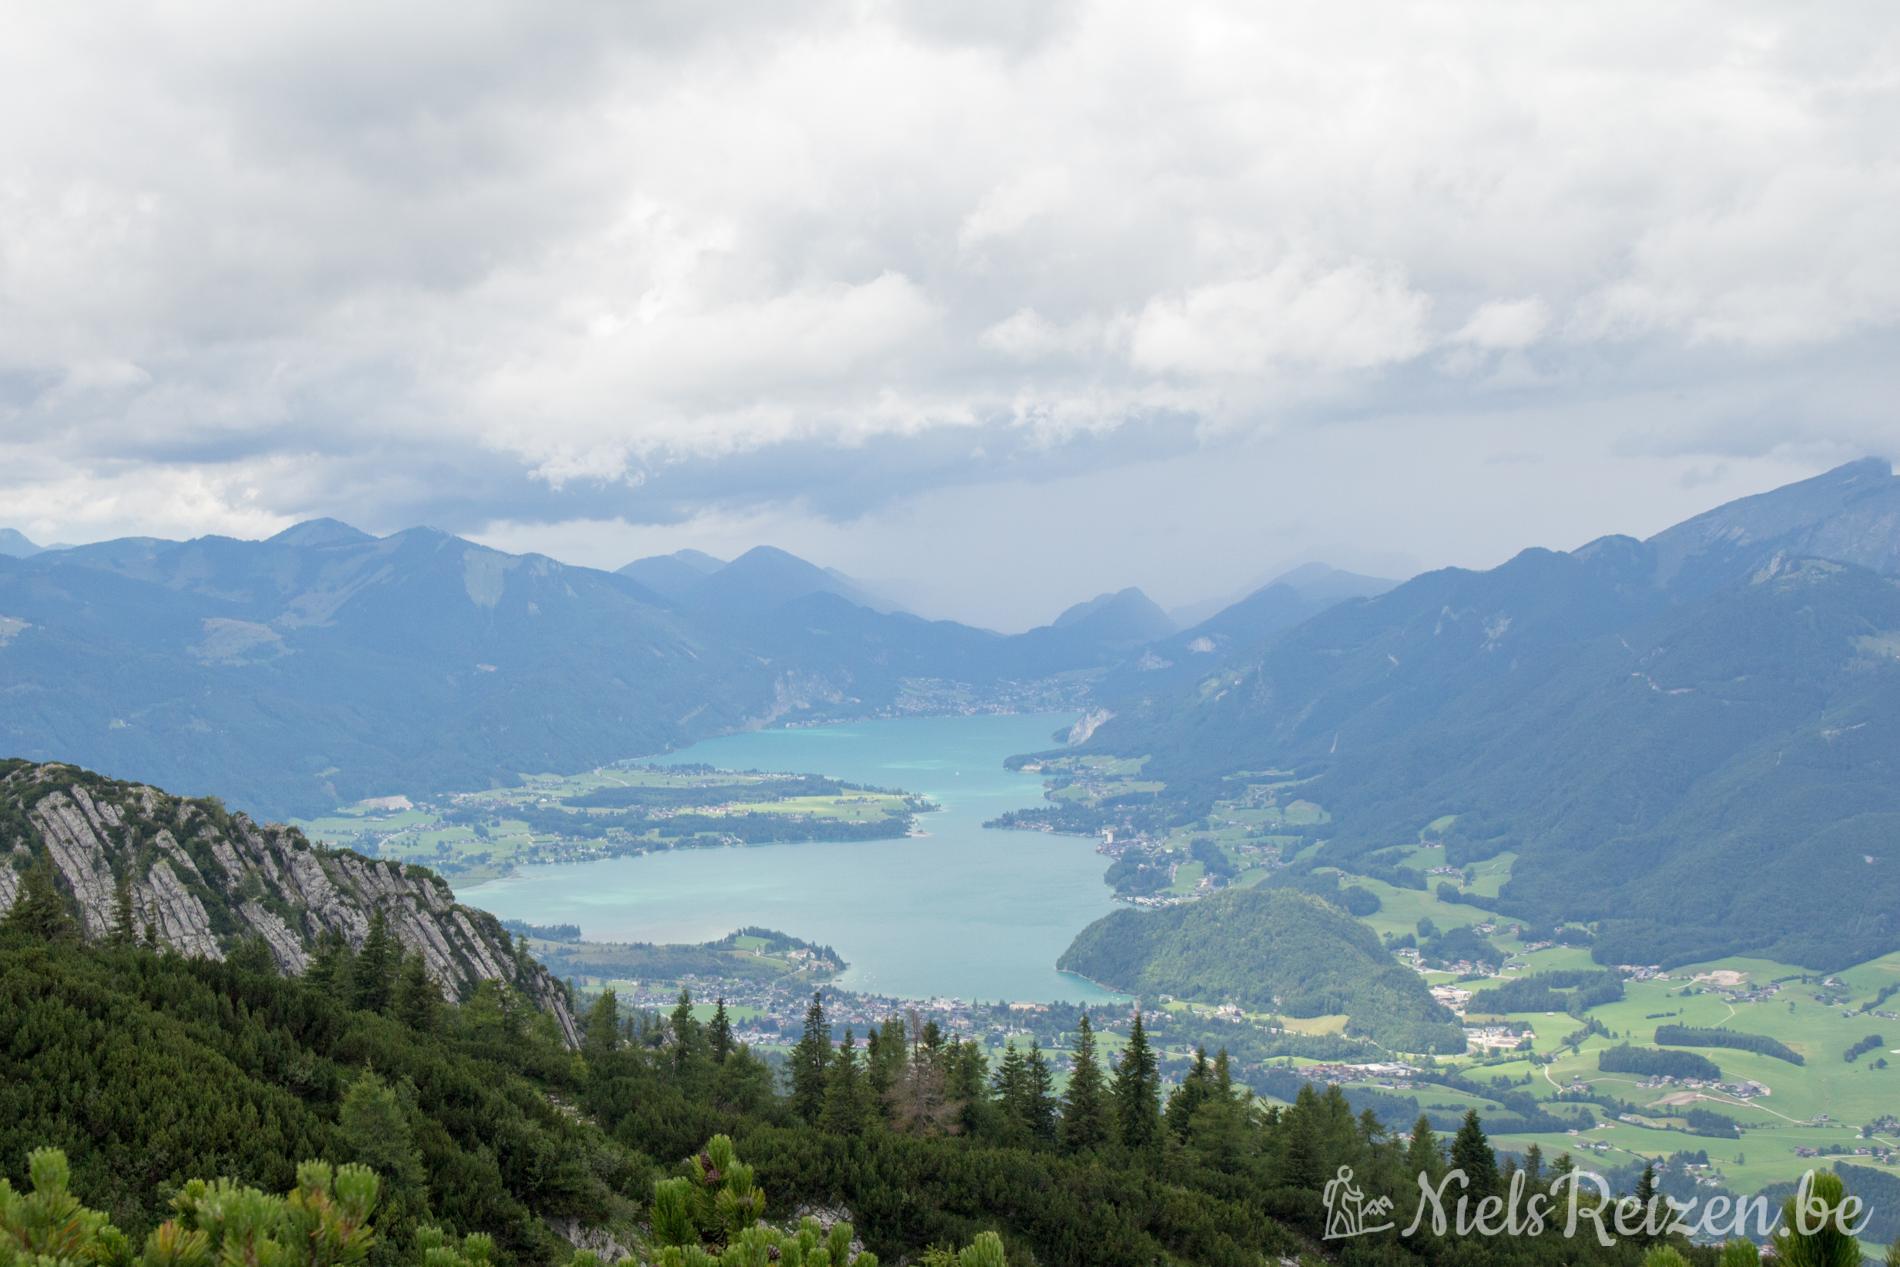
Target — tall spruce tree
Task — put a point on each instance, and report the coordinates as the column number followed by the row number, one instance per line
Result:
column 600, row 1033
column 1137, row 1092
column 966, row 1085
column 1010, row 1086
column 1471, row 1152
column 1039, row 1098
column 719, row 1033
column 810, row 1062
column 1646, row 1197
column 1222, row 1127
column 1189, row 1096
column 1423, row 1156
column 373, row 975
column 689, row 1049
column 329, row 968
column 884, row 1050
column 1085, row 1110
column 844, row 1112
column 1302, row 1155
column 124, row 920
column 418, row 999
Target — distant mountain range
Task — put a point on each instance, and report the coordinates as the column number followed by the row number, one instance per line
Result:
column 1694, row 739
column 762, row 578
column 15, row 546
column 324, row 665
column 1317, row 585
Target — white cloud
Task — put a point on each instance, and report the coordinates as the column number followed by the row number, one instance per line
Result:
column 1506, row 324
column 1353, row 317
column 254, row 247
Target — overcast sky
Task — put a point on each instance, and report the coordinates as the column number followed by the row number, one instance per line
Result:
column 999, row 304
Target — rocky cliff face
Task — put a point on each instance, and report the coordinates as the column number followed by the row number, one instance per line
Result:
column 204, row 879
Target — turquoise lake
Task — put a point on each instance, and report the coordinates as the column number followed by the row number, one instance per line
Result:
column 962, row 911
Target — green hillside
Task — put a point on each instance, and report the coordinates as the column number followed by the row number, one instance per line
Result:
column 1270, row 951
column 1630, row 721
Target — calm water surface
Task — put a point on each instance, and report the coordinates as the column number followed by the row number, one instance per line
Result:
column 962, row 911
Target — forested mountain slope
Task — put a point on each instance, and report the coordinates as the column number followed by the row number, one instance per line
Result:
column 1692, row 739
column 1268, row 950
column 133, row 863
column 324, row 665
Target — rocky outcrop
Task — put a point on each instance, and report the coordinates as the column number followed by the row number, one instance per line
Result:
column 203, row 879
column 596, row 1240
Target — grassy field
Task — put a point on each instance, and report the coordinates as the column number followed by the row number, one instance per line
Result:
column 475, row 836
column 1820, row 1106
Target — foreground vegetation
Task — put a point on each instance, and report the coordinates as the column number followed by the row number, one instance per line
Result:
column 150, row 1070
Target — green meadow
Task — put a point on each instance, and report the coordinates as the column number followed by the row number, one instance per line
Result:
column 476, row 836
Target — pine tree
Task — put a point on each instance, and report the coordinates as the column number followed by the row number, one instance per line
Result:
column 844, row 1111
column 1136, row 1092
column 689, row 1042
column 719, row 1033
column 600, row 1034
column 253, row 954
column 373, row 976
column 1646, row 1203
column 1221, row 1129
column 1471, row 1152
column 1302, row 1161
column 418, row 998
column 966, row 1081
column 1815, row 1238
column 124, row 924
column 1189, row 1096
column 1533, row 1168
column 373, row 1125
column 810, row 1062
column 1085, row 1103
column 1039, row 1097
column 328, row 968
column 1010, row 1085
column 884, row 1053
column 38, row 909
column 1422, row 1153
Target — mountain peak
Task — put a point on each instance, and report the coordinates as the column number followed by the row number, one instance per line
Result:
column 15, row 545
column 320, row 532
column 765, row 577
column 1125, row 615
column 705, row 563
column 1850, row 514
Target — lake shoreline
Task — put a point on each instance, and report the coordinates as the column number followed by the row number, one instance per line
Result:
column 977, row 914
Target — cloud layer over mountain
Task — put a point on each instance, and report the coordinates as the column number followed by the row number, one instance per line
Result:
column 566, row 277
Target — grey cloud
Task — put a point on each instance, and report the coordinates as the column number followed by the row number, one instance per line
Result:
column 644, row 264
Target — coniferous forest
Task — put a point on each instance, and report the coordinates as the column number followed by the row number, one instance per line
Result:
column 151, row 1105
